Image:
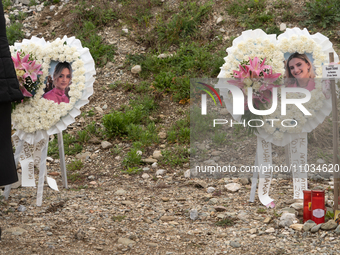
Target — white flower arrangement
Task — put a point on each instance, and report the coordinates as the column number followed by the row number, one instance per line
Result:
column 39, row 114
column 253, row 44
column 256, row 43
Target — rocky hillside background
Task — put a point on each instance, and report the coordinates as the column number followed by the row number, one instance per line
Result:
column 128, row 153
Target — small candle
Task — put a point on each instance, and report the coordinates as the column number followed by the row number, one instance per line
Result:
column 318, row 206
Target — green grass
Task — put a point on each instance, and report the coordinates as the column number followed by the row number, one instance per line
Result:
column 252, row 14
column 118, row 218
column 173, row 74
column 175, row 157
column 75, row 165
column 180, row 131
column 322, row 13
column 71, row 146
column 227, row 222
column 6, row 4
column 15, row 33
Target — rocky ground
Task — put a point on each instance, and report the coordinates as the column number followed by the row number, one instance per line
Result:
column 162, row 211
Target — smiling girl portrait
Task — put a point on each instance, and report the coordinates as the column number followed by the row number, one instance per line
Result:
column 57, row 88
column 300, row 71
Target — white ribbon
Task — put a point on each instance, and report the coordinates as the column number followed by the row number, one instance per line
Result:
column 30, row 155
column 264, row 161
column 298, row 156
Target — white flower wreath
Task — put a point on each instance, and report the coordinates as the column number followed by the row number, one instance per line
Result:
column 39, row 116
column 256, row 43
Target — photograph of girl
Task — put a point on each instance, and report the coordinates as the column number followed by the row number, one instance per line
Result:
column 58, row 87
column 299, row 72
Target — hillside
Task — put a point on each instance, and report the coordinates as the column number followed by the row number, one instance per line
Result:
column 118, row 202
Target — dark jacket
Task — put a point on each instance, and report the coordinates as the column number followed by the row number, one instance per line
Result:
column 9, row 85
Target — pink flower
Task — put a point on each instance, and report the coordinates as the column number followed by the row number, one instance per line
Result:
column 257, row 67
column 243, row 73
column 25, row 92
column 18, row 62
column 32, row 70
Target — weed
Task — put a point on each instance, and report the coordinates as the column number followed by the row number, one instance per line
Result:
column 175, row 157
column 323, row 13
column 132, row 170
column 75, row 165
column 91, row 112
column 91, row 128
column 6, row 4
column 100, row 51
column 261, row 210
column 71, row 146
column 32, row 2
column 116, row 150
column 180, row 131
column 15, row 33
column 182, row 27
column 118, row 217
column 227, row 222
column 252, row 14
column 329, row 215
column 173, row 74
column 74, row 177
column 132, row 158
column 83, row 136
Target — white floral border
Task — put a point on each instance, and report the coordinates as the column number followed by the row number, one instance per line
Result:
column 39, row 117
column 251, row 43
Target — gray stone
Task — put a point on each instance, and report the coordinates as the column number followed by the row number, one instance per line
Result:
column 243, row 216
column 52, row 7
column 219, row 20
column 15, row 231
column 320, row 161
column 125, row 30
column 26, row 2
column 84, row 155
column 244, row 181
column 146, row 169
column 145, row 176
column 149, row 160
column 120, row 192
column 160, row 172
column 126, row 241
column 21, row 208
column 106, row 145
column 288, row 210
column 308, row 226
column 285, row 223
column 213, row 201
column 210, row 189
column 329, row 225
column 235, row 244
column 136, row 69
column 233, row 187
column 315, row 228
column 193, row 214
column 337, row 230
column 283, row 26
column 104, row 106
column 154, row 165
column 91, row 177
column 157, row 154
column 187, row 174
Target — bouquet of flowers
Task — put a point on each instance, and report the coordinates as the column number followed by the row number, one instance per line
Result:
column 27, row 71
column 260, row 78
